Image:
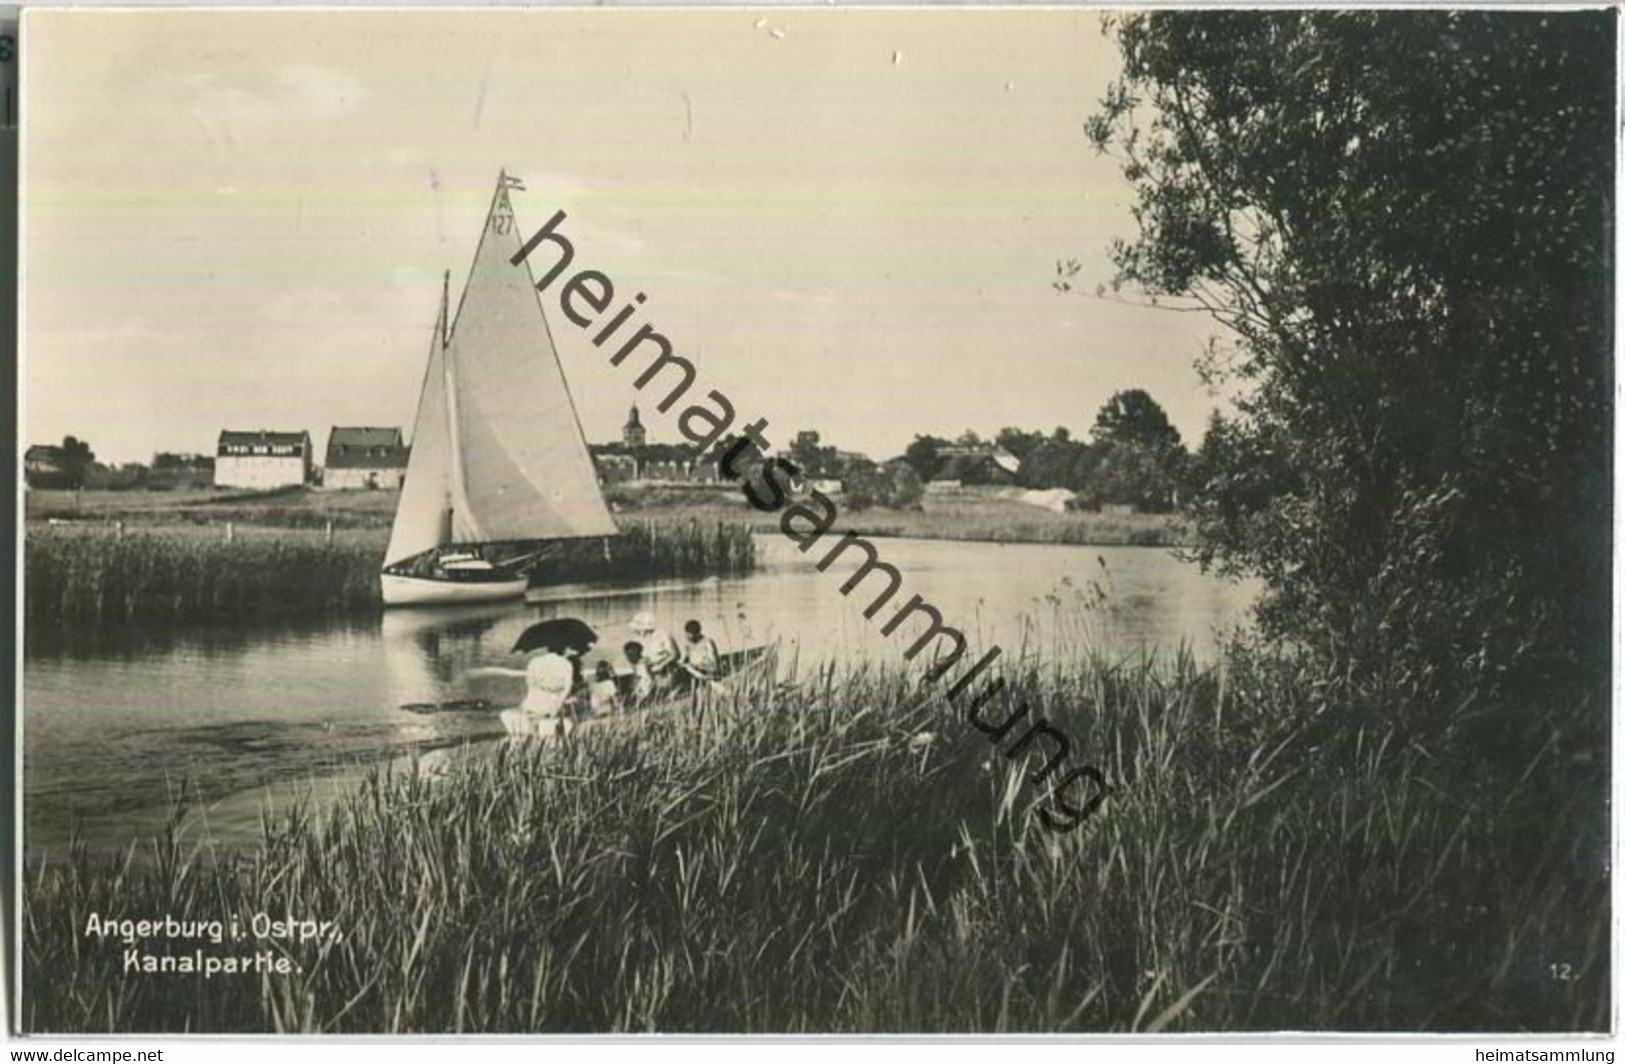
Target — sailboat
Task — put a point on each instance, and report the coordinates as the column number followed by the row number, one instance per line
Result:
column 499, row 467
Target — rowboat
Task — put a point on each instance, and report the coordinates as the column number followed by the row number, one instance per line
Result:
column 734, row 669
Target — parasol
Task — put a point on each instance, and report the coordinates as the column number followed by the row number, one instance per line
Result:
column 558, row 633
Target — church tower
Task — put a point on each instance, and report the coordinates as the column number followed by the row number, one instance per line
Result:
column 632, row 434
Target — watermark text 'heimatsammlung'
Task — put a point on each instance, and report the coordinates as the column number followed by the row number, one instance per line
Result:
column 586, row 296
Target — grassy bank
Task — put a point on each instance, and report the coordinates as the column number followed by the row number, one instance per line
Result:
column 991, row 516
column 985, row 515
column 850, row 856
column 92, row 573
column 285, row 508
column 1014, row 522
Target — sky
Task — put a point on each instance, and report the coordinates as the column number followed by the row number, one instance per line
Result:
column 849, row 220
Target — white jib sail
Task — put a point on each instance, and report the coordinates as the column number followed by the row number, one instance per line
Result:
column 525, row 470
column 422, row 518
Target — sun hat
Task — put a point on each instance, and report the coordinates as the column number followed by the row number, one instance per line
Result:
column 643, row 622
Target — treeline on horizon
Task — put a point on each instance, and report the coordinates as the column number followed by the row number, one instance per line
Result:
column 1134, row 457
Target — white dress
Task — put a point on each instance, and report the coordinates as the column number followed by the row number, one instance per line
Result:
column 548, row 680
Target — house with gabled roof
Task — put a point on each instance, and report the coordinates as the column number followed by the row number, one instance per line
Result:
column 45, row 466
column 262, row 459
column 974, row 465
column 365, row 457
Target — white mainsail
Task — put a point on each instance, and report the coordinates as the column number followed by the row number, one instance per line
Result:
column 525, row 470
column 498, row 454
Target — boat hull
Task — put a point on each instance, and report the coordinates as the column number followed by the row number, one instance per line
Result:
column 402, row 590
column 735, row 668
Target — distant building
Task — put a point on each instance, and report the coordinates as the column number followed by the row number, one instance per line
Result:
column 262, row 459
column 365, row 458
column 634, row 458
column 965, row 466
column 43, row 467
column 683, row 470
column 632, row 433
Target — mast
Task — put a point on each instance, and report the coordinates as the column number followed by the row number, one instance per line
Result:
column 464, row 526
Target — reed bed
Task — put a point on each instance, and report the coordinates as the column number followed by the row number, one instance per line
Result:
column 651, row 550
column 99, row 576
column 102, row 575
column 848, row 855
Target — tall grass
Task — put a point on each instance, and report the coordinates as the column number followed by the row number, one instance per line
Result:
column 651, row 550
column 847, row 855
column 97, row 575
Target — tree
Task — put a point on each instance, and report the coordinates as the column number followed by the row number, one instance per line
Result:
column 894, row 484
column 1058, row 462
column 1404, row 219
column 811, row 456
column 1134, row 474
column 77, row 460
column 1140, row 459
column 1134, row 417
column 1019, row 442
column 746, row 457
column 905, row 489
column 924, row 455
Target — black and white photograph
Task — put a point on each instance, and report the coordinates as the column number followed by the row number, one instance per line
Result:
column 815, row 521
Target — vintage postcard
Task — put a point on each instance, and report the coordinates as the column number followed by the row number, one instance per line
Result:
column 837, row 521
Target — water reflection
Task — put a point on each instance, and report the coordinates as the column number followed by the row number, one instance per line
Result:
column 113, row 720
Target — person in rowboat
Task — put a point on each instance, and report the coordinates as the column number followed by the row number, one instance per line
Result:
column 549, row 680
column 701, row 658
column 661, row 654
column 640, row 685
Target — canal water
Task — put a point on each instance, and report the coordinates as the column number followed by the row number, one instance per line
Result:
column 251, row 715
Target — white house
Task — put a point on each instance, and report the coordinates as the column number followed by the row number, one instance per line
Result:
column 262, row 459
column 364, row 458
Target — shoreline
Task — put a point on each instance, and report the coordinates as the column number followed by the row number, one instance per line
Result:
column 994, row 516
column 111, row 572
